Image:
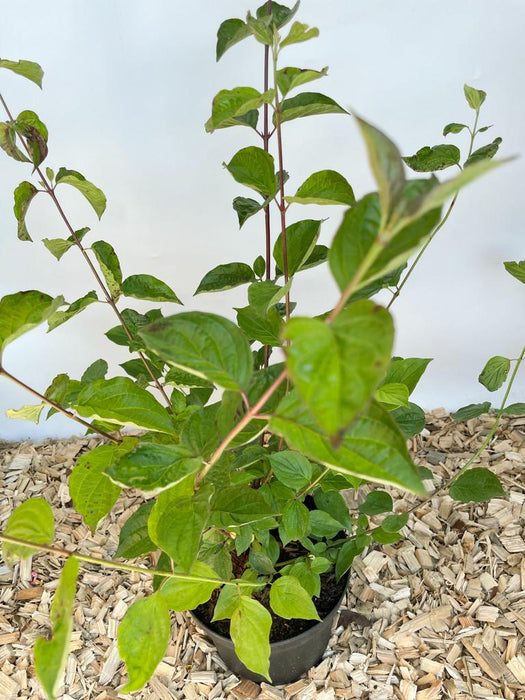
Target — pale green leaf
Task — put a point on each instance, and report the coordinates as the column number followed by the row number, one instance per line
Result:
column 23, row 311
column 60, row 317
column 289, row 600
column 290, row 77
column 59, row 246
column 250, row 633
column 93, row 194
column 31, row 413
column 27, row 69
column 183, row 595
column 229, row 104
column 33, row 521
column 474, row 97
column 392, row 396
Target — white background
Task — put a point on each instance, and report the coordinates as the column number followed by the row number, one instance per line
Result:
column 127, row 88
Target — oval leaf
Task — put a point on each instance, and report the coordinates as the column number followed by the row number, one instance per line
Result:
column 495, row 372
column 23, row 196
column 226, row 277
column 428, row 159
column 308, row 104
column 93, row 194
column 32, row 521
column 289, row 600
column 183, row 595
column 516, row 269
column 27, row 69
column 110, row 266
column 291, row 469
column 324, row 187
column 250, row 632
column 228, row 104
column 476, row 485
column 134, row 539
column 301, row 238
column 23, row 311
column 149, row 288
column 473, row 410
column 254, row 168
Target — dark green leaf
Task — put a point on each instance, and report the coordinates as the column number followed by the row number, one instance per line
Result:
column 143, row 637
column 8, row 142
column 259, row 264
column 153, row 468
column 110, row 266
column 475, row 98
column 239, row 505
column 428, row 159
column 134, row 540
column 495, row 372
column 335, row 505
column 93, row 494
column 149, row 288
column 411, row 420
column 473, row 410
column 515, row 409
column 336, row 366
column 392, row 396
column 384, row 537
column 308, row 104
column 298, row 33
column 59, row 246
column 264, row 327
column 373, row 448
column 254, row 168
column 27, row 69
column 476, row 485
column 516, row 269
column 51, row 654
column 260, row 559
column 121, row 401
column 23, row 311
column 226, row 277
column 291, row 469
column 348, row 552
column 183, row 595
column 164, row 563
column 376, row 502
column 323, row 525
column 387, row 166
column 454, row 128
column 33, row 521
column 230, row 32
column 425, row 473
column 407, row 371
column 96, row 370
column 280, row 14
column 245, row 208
column 93, row 194
column 324, row 187
column 289, row 600
column 318, row 256
column 301, row 238
column 250, row 633
column 204, row 344
column 395, row 522
column 23, row 196
column 229, row 104
column 290, row 78
column 29, row 127
column 485, row 152
column 181, row 378
column 295, row 522
column 60, row 317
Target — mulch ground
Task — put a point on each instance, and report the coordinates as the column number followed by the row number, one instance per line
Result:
column 440, row 614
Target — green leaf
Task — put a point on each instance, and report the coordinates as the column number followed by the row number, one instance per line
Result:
column 93, row 494
column 335, row 367
column 250, row 632
column 289, row 600
column 230, row 32
column 291, row 469
column 392, row 395
column 204, row 344
column 121, row 401
column 143, row 637
column 134, row 540
column 59, row 246
column 335, row 505
column 516, row 269
column 186, row 595
column 294, row 523
column 260, row 560
column 93, row 194
column 372, row 449
column 473, row 410
column 260, row 28
column 229, row 104
column 96, row 370
column 110, row 266
column 476, row 485
column 176, row 526
column 264, row 327
column 29, row 127
column 227, row 603
column 290, row 78
column 298, row 33
column 307, row 104
column 514, row 409
column 153, row 468
column 23, row 311
column 407, row 371
column 60, row 317
column 263, row 295
column 32, row 521
column 348, row 552
column 27, row 69
column 301, row 238
column 376, row 502
column 149, row 288
column 280, row 14
column 239, row 505
column 387, row 166
column 225, row 277
column 495, row 372
column 411, row 420
column 395, row 522
column 485, row 152
column 429, row 159
column 245, row 208
column 454, row 128
column 181, row 378
column 254, row 168
column 475, row 98
column 8, row 142
column 23, row 195
column 324, row 187
column 31, row 413
column 323, row 524
column 383, row 537
column 51, row 654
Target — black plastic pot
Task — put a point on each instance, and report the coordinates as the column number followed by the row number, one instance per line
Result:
column 289, row 659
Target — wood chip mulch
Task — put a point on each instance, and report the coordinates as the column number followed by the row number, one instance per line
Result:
column 440, row 614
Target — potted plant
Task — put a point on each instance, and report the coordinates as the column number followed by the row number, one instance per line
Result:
column 243, row 507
